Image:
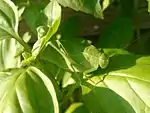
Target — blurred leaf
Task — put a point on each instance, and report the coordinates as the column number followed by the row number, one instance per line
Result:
column 125, row 89
column 141, row 45
column 92, row 7
column 77, row 108
column 26, row 37
column 127, row 8
column 21, row 2
column 33, row 92
column 71, row 27
column 118, row 34
column 8, row 50
column 148, row 5
column 32, row 15
column 8, row 19
column 106, row 4
column 21, row 11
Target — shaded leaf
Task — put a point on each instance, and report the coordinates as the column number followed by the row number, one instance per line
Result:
column 32, row 15
column 92, row 7
column 69, row 27
column 118, row 34
column 53, row 55
column 127, row 8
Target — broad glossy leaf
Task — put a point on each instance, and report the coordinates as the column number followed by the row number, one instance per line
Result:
column 118, row 34
column 8, row 50
column 125, row 89
column 52, row 13
column 8, row 19
column 77, row 108
column 92, row 7
column 27, row 91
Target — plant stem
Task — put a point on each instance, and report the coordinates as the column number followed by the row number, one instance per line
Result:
column 23, row 43
column 70, row 92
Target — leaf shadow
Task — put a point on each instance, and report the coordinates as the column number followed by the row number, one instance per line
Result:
column 122, row 61
column 104, row 100
column 118, row 62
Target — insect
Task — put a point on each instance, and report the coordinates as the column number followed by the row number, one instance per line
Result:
column 96, row 58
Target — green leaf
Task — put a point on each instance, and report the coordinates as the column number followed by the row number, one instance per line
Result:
column 69, row 27
column 62, row 76
column 8, row 50
column 118, row 34
column 92, row 7
column 75, row 57
column 8, row 19
column 67, row 55
column 26, row 38
column 32, row 15
column 148, row 5
column 128, row 8
column 27, row 91
column 52, row 13
column 77, row 108
column 53, row 55
column 125, row 89
column 106, row 3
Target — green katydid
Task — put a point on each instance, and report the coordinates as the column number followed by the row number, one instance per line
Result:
column 96, row 58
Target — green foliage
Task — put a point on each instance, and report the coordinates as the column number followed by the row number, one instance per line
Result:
column 126, row 87
column 64, row 73
column 21, row 90
column 9, row 19
column 92, row 7
column 118, row 34
column 8, row 50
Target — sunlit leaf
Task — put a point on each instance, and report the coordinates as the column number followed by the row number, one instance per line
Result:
column 106, row 3
column 52, row 13
column 8, row 19
column 8, row 50
column 77, row 108
column 27, row 91
column 125, row 89
column 148, row 5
